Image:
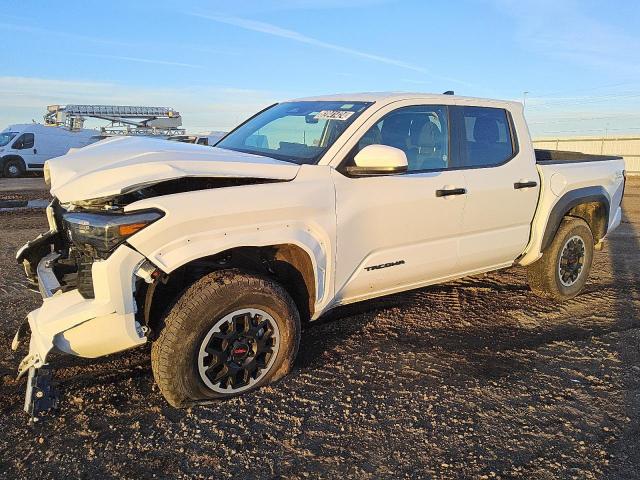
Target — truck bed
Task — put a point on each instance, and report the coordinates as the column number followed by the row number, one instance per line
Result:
column 551, row 157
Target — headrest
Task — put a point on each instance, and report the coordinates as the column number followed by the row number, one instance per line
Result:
column 430, row 135
column 485, row 130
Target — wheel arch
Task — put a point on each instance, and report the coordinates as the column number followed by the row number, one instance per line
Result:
column 288, row 264
column 12, row 156
column 590, row 204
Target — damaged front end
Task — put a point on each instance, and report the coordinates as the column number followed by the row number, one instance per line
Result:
column 87, row 275
column 92, row 280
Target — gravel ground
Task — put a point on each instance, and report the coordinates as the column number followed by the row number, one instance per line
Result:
column 476, row 378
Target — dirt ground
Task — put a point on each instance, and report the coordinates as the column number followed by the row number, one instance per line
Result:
column 472, row 379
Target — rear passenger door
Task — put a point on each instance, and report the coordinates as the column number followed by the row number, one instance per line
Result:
column 502, row 187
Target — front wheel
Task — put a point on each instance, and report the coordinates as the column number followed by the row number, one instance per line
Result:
column 13, row 168
column 229, row 333
column 563, row 270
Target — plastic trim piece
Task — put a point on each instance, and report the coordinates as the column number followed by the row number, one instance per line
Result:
column 567, row 202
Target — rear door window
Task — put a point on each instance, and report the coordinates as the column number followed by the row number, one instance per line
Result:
column 484, row 136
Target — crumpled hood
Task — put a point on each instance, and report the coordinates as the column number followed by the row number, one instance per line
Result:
column 120, row 164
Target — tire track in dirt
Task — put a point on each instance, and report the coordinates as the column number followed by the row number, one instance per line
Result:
column 15, row 288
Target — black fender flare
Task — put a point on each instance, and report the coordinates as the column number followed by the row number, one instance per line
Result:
column 567, row 202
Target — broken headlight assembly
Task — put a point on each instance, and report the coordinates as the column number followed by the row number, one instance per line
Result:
column 100, row 233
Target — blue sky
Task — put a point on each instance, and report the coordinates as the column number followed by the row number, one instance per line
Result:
column 217, row 62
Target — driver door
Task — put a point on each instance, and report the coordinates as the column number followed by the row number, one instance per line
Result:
column 25, row 146
column 397, row 232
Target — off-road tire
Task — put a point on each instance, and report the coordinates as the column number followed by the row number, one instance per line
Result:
column 544, row 275
column 17, row 170
column 186, row 323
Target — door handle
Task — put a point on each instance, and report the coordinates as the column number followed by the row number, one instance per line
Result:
column 519, row 185
column 35, row 151
column 447, row 192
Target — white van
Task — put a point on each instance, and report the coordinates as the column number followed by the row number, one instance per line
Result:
column 25, row 147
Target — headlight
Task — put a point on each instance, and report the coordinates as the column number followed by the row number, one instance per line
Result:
column 103, row 232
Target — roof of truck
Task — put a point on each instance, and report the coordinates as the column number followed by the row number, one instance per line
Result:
column 389, row 97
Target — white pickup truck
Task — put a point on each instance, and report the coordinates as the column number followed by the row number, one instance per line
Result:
column 217, row 254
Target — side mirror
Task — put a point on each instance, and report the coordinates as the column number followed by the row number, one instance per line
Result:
column 379, row 160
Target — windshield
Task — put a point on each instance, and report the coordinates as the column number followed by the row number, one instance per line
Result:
column 6, row 137
column 298, row 132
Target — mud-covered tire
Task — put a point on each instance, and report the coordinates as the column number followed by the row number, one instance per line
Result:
column 545, row 275
column 184, row 329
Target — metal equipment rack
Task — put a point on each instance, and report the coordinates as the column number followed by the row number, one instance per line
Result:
column 124, row 119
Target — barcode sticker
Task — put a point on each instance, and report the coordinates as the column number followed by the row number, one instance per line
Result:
column 333, row 115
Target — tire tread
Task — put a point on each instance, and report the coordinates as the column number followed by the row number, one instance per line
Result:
column 542, row 275
column 179, row 317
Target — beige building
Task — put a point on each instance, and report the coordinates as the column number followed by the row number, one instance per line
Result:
column 627, row 147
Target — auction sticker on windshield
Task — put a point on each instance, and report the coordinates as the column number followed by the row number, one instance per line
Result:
column 333, row 115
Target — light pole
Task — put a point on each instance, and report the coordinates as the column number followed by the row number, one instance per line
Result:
column 524, row 99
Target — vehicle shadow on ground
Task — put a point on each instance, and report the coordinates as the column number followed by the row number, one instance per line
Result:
column 624, row 248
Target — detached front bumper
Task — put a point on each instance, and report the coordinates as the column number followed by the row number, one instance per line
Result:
column 85, row 327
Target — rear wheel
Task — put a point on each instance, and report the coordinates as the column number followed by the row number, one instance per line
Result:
column 13, row 168
column 563, row 270
column 228, row 334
